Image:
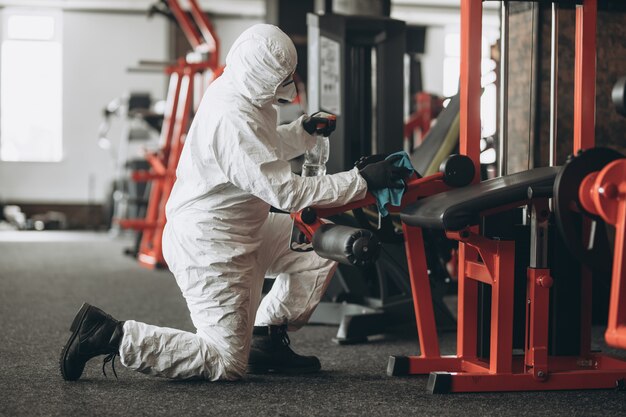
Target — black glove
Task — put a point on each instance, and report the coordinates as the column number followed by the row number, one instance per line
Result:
column 371, row 159
column 320, row 123
column 384, row 174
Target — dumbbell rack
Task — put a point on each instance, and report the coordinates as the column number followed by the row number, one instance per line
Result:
column 179, row 111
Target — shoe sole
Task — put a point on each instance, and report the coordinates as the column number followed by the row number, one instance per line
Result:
column 80, row 316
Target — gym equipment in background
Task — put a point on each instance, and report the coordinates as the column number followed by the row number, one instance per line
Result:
column 355, row 71
column 140, row 122
column 368, row 301
column 427, row 108
column 355, row 67
column 182, row 97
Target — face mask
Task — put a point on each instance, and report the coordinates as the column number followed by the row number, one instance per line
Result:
column 286, row 92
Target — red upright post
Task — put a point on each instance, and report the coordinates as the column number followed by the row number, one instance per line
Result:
column 470, row 89
column 420, row 287
column 585, row 76
column 584, row 131
column 467, row 320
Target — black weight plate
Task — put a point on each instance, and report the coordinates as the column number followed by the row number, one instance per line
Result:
column 568, row 211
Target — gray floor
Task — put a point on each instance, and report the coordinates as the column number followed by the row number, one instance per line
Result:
column 44, row 279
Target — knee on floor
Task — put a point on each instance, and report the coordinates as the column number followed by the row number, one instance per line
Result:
column 233, row 366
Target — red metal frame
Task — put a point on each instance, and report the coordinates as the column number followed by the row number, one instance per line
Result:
column 492, row 262
column 603, row 193
column 470, row 89
column 584, row 129
column 427, row 109
column 585, row 76
column 199, row 32
column 180, row 103
column 163, row 163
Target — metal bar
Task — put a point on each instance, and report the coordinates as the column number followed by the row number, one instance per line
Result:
column 148, row 70
column 616, row 330
column 478, row 272
column 420, row 366
column 470, row 88
column 554, row 70
column 504, row 89
column 207, row 30
column 420, row 287
column 171, row 105
column 475, row 365
column 160, row 64
column 534, row 119
column 186, row 24
column 538, row 293
column 467, row 320
column 501, row 343
column 584, row 131
column 568, row 380
column 585, row 76
column 539, row 234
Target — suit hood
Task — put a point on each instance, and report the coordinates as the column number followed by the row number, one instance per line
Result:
column 259, row 60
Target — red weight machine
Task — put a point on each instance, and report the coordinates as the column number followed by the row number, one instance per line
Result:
column 183, row 92
column 492, row 261
column 596, row 183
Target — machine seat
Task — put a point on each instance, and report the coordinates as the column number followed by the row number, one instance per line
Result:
column 459, row 208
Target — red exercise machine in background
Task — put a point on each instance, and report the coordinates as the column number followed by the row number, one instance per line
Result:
column 427, row 108
column 188, row 80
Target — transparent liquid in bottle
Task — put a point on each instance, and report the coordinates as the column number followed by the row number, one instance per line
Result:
column 315, row 159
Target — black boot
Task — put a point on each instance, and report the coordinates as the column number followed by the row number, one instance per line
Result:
column 270, row 352
column 93, row 333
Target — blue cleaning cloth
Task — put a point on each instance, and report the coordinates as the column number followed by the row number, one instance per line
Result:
column 392, row 196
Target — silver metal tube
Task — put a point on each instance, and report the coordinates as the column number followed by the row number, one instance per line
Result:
column 554, row 82
column 538, row 238
column 504, row 89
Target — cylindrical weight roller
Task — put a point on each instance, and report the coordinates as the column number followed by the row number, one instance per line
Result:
column 458, row 170
column 347, row 245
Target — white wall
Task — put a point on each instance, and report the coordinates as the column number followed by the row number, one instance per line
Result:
column 229, row 28
column 100, row 45
column 97, row 49
column 432, row 60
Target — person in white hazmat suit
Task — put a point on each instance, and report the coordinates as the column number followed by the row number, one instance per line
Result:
column 221, row 239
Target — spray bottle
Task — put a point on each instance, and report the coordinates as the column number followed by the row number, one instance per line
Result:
column 315, row 158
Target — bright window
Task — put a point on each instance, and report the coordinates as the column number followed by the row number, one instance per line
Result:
column 451, row 75
column 31, row 86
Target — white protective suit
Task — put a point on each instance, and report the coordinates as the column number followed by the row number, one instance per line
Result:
column 220, row 240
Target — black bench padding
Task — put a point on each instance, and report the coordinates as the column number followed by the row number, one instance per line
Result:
column 459, row 208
